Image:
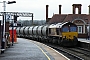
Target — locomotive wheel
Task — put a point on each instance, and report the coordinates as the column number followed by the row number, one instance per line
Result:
column 58, row 41
column 53, row 41
column 47, row 41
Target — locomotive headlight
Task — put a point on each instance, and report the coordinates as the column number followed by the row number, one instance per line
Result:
column 64, row 36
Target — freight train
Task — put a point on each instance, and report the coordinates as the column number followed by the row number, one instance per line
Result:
column 64, row 34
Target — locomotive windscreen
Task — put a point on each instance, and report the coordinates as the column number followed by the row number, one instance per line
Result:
column 65, row 29
column 73, row 29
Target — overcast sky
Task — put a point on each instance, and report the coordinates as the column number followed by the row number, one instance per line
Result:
column 38, row 7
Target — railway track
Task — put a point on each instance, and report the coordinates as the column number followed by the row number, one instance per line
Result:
column 76, row 53
column 81, row 52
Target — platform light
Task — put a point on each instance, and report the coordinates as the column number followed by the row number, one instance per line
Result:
column 10, row 2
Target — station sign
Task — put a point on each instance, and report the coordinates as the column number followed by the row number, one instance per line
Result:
column 8, row 17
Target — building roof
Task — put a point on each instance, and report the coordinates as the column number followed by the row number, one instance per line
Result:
column 58, row 18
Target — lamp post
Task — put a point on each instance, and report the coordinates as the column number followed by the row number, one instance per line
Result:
column 4, row 20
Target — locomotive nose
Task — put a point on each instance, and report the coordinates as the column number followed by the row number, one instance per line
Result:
column 69, row 35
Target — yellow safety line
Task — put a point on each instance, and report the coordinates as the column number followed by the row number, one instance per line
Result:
column 44, row 53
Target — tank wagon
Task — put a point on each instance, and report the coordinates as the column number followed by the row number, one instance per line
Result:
column 64, row 34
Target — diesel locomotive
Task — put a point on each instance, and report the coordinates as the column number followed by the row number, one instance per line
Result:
column 64, row 34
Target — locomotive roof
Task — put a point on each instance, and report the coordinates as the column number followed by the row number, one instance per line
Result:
column 58, row 25
column 52, row 26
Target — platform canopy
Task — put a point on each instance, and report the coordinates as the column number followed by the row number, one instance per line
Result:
column 19, row 14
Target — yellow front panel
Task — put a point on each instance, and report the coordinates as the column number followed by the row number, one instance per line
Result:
column 69, row 35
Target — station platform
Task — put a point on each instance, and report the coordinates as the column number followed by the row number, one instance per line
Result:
column 26, row 49
column 83, row 42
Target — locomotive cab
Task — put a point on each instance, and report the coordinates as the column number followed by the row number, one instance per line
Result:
column 69, row 34
column 55, row 33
